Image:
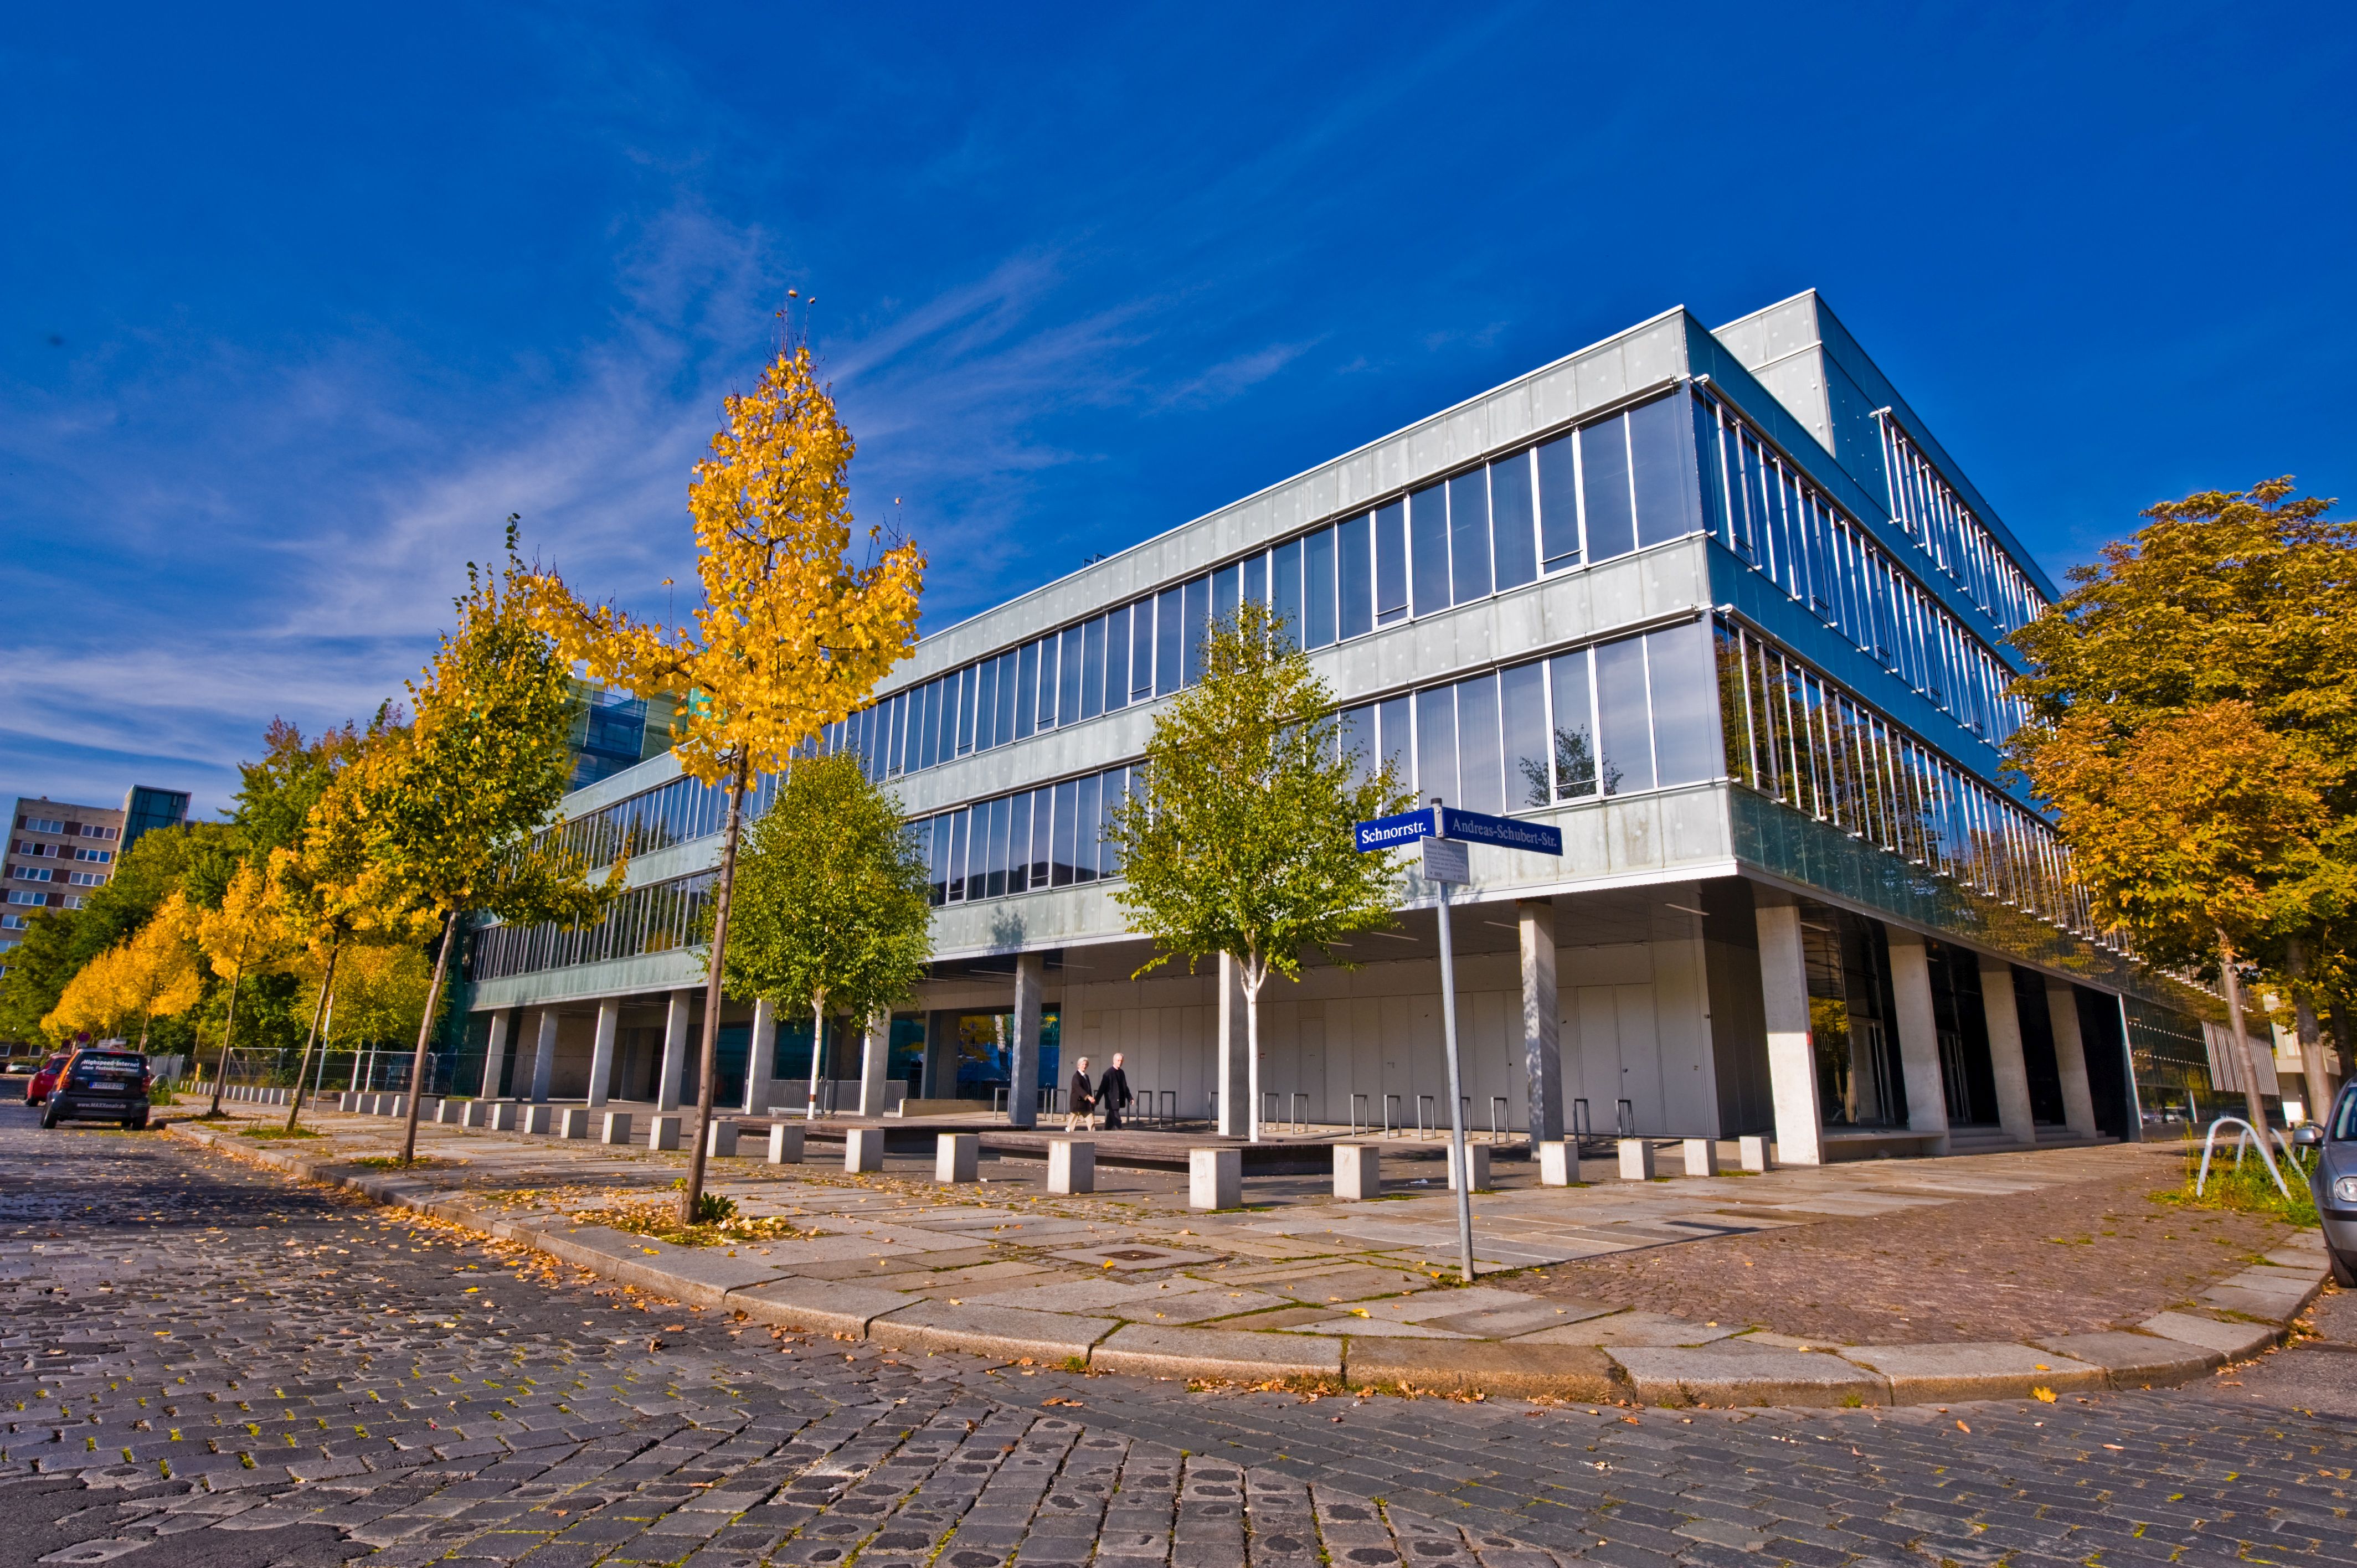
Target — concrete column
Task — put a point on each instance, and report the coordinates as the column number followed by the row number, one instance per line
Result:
column 1792, row 1052
column 1919, row 1035
column 601, row 1053
column 1023, row 1055
column 2013, row 1113
column 1542, row 1023
column 675, row 1048
column 2070, row 1057
column 494, row 1059
column 543, row 1058
column 874, row 1057
column 1234, row 1080
column 760, row 1059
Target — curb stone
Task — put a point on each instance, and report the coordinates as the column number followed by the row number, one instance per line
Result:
column 2166, row 1349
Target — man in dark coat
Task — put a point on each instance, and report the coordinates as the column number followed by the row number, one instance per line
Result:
column 1112, row 1094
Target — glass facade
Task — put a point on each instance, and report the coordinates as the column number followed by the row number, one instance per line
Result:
column 656, row 918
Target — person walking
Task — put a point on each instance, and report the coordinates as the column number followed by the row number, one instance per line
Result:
column 1079, row 1108
column 1112, row 1094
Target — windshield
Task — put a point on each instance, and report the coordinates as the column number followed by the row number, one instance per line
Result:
column 90, row 1073
column 2344, row 1117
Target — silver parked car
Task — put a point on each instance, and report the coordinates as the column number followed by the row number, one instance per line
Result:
column 2333, row 1179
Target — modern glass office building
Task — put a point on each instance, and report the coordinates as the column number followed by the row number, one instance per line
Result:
column 1714, row 602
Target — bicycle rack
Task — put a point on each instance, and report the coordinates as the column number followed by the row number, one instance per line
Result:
column 1395, row 1121
column 1624, row 1117
column 1170, row 1108
column 1356, row 1101
column 1299, row 1107
column 1268, row 1103
column 1424, row 1117
column 1499, row 1117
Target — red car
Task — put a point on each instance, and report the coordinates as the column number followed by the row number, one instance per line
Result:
column 45, row 1078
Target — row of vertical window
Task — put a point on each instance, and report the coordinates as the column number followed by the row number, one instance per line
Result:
column 1597, row 492
column 1797, row 738
column 1631, row 715
column 672, row 813
column 1930, row 512
column 1049, row 837
column 656, row 918
column 1769, row 514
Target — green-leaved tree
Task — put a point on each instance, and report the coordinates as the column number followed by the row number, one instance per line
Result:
column 832, row 913
column 1239, row 843
column 449, row 812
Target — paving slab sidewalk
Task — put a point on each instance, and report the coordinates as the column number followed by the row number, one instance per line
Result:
column 1303, row 1289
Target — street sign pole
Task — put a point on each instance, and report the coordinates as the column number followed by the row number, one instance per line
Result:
column 1456, row 1153
column 1445, row 833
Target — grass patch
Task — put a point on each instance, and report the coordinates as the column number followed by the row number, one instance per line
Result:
column 396, row 1163
column 717, row 1221
column 277, row 1135
column 2247, row 1190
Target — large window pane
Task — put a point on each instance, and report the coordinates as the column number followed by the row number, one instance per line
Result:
column 1478, row 774
column 937, row 860
column 1356, row 738
column 1116, row 790
column 1512, row 527
column 1084, row 843
column 1710, row 469
column 1116, row 671
column 969, row 683
column 1141, row 651
column 1026, row 688
column 1393, row 736
column 1170, row 625
column 1072, row 667
column 1574, row 727
column 1427, row 527
column 1468, row 536
column 929, row 726
column 960, row 822
column 1019, row 843
column 1622, row 733
column 1391, row 564
column 1604, row 483
column 1002, row 728
column 1049, row 683
column 1318, row 589
column 1092, row 668
column 1199, row 625
column 1284, row 588
column 946, row 748
column 1685, row 709
column 1061, row 859
column 1661, row 439
column 985, row 705
column 1436, row 746
column 1223, row 593
column 995, row 850
column 1523, row 700
column 1255, row 589
column 1558, row 463
column 1043, row 819
column 1354, row 570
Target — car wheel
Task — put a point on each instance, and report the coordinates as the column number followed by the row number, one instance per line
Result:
column 138, row 1123
column 2344, row 1270
column 49, row 1118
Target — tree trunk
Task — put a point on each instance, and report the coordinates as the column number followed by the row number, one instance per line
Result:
column 818, row 1045
column 1253, row 978
column 2251, row 1098
column 426, row 1034
column 229, row 1030
column 2342, row 1059
column 294, row 1100
column 2311, row 1038
column 691, row 1195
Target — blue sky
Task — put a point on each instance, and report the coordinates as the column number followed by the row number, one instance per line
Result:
column 297, row 304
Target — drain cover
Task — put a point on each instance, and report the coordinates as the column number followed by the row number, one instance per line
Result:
column 1133, row 1254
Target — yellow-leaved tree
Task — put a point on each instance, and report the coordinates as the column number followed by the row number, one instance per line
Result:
column 151, row 974
column 791, row 635
column 244, row 936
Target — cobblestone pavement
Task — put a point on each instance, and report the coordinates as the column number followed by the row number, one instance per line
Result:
column 2078, row 1257
column 209, row 1365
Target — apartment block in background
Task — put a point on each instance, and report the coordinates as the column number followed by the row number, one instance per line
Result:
column 58, row 855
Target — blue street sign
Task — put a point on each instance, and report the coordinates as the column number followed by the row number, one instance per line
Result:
column 1504, row 831
column 1391, row 832
column 1474, row 827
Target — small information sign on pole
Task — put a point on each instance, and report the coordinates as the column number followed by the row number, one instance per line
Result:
column 1441, row 834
